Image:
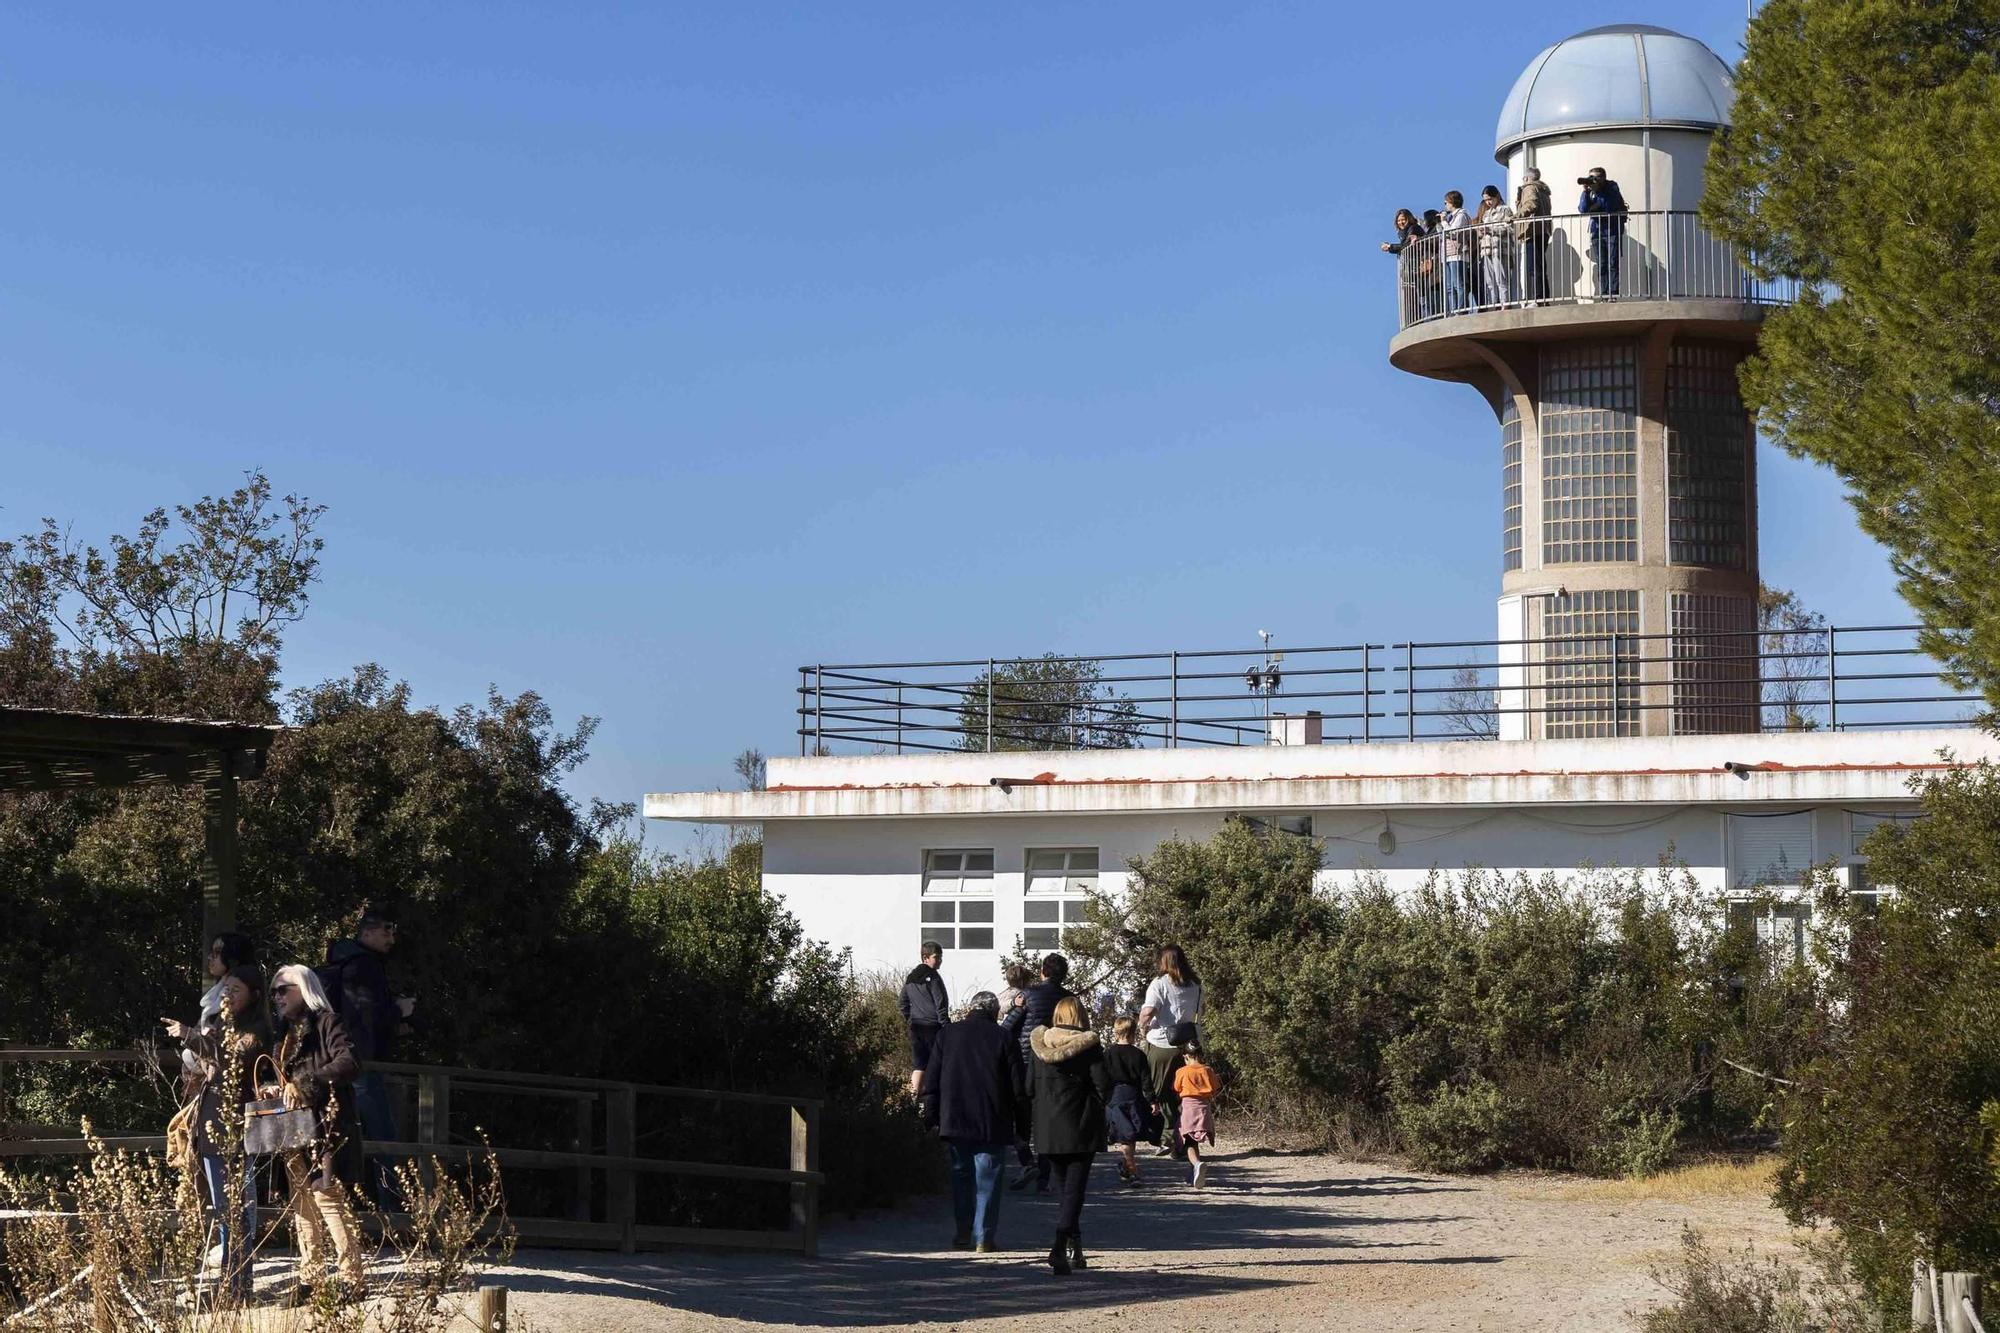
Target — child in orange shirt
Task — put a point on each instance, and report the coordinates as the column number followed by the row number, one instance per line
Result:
column 1195, row 1084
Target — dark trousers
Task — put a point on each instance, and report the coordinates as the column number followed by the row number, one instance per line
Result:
column 1072, row 1176
column 1605, row 249
column 378, row 1123
column 1535, row 264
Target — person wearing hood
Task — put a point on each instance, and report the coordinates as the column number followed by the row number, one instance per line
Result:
column 973, row 1089
column 356, row 980
column 1072, row 1086
column 926, row 1008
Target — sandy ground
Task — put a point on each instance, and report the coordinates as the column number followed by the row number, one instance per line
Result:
column 1274, row 1241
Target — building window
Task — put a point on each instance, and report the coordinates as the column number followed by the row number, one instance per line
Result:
column 1060, row 882
column 1860, row 883
column 1770, row 851
column 1510, row 485
column 1708, row 449
column 1714, row 652
column 1590, row 664
column 1780, row 928
column 957, row 907
column 1588, row 422
column 1297, row 825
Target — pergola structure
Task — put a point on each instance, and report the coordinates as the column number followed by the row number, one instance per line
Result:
column 47, row 750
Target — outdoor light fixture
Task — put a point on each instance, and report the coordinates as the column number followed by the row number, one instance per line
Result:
column 1385, row 841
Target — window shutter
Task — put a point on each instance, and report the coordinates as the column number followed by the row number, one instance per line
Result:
column 1773, row 849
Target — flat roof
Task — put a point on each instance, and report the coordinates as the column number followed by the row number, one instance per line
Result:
column 1773, row 767
column 47, row 749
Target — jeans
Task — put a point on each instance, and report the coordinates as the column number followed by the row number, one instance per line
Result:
column 237, row 1231
column 1497, row 289
column 1605, row 246
column 378, row 1122
column 975, row 1187
column 1457, row 293
column 1072, row 1176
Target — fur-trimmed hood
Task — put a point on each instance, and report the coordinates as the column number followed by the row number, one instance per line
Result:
column 1055, row 1045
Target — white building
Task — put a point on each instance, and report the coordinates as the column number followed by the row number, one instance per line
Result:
column 1628, row 683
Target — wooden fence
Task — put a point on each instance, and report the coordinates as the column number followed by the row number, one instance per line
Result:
column 620, row 1108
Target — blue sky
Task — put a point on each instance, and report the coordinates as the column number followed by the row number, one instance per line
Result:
column 643, row 353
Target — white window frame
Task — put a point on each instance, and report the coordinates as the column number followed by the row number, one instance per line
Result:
column 1067, row 889
column 957, row 898
column 1856, row 861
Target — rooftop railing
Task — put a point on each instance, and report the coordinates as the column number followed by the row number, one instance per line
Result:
column 1601, row 684
column 1575, row 259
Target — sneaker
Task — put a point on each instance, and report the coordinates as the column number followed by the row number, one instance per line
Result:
column 1164, row 1150
column 1200, row 1171
column 987, row 1247
column 1023, row 1180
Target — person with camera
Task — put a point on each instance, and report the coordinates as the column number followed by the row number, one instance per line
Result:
column 1604, row 202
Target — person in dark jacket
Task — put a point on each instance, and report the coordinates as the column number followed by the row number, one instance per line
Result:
column 1605, row 203
column 973, row 1086
column 1038, row 1007
column 926, row 1008
column 1128, row 1113
column 317, row 1065
column 1072, row 1087
column 356, row 980
column 225, row 1050
column 1409, row 230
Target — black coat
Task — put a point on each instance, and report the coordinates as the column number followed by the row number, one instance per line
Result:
column 923, row 1001
column 1072, row 1086
column 974, row 1082
column 231, row 1056
column 316, row 1059
column 1038, row 1011
column 357, row 982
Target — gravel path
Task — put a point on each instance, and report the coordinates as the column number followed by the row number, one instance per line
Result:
column 1275, row 1241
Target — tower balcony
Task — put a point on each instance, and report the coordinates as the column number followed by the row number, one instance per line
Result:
column 1572, row 276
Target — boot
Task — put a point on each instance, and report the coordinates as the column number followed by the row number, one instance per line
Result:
column 1059, row 1255
column 1076, row 1259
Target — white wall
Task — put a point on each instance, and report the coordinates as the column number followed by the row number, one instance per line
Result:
column 856, row 883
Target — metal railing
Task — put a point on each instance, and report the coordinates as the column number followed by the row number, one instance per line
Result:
column 1684, row 683
column 1573, row 259
column 604, row 1137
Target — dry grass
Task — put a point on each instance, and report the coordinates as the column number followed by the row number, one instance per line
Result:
column 1718, row 1178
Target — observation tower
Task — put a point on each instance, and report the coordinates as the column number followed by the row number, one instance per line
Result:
column 1607, row 345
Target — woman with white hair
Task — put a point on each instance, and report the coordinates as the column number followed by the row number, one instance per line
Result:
column 317, row 1065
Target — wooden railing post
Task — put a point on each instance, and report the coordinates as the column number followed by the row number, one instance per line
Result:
column 433, row 1118
column 493, row 1309
column 621, row 1196
column 805, row 1157
column 586, row 1105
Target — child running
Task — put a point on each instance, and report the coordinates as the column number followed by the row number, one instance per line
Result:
column 1196, row 1085
column 1125, row 1112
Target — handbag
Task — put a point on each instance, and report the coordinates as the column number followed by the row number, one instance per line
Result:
column 273, row 1125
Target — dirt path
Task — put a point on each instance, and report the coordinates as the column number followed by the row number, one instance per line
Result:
column 1275, row 1241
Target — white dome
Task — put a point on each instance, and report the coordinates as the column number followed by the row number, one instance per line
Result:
column 1628, row 74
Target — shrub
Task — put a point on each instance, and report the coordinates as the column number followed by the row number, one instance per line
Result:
column 1748, row 1293
column 1484, row 1020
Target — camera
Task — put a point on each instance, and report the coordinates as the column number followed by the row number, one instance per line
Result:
column 1585, row 180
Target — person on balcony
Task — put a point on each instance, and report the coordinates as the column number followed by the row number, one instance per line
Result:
column 1454, row 222
column 1531, row 234
column 1494, row 223
column 1604, row 202
column 1408, row 229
